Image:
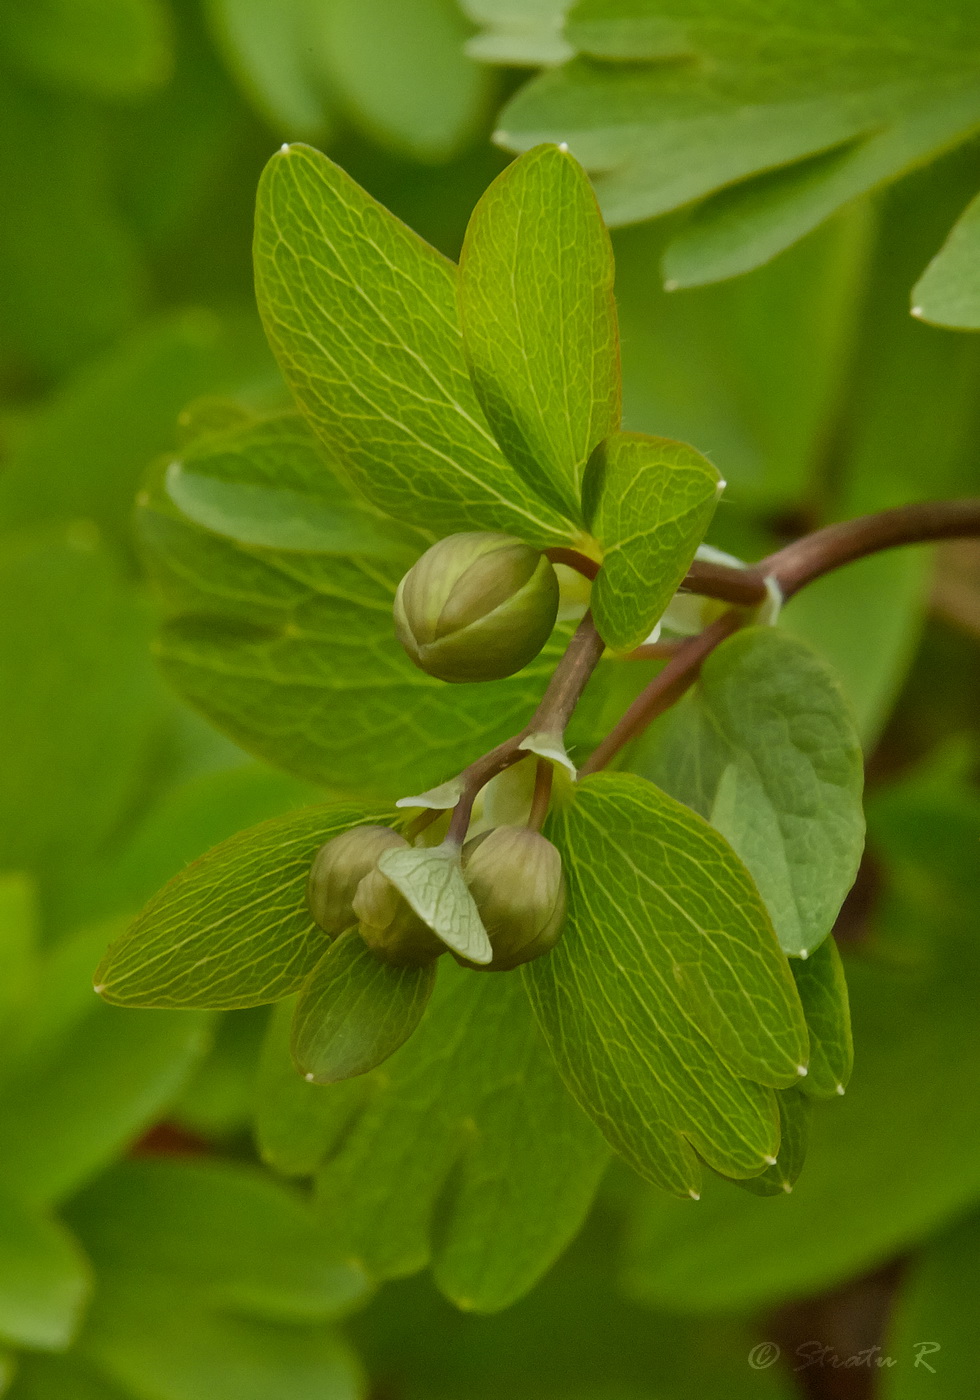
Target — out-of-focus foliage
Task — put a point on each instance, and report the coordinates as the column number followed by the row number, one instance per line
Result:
column 132, row 136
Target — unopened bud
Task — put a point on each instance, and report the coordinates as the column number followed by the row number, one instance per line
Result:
column 516, row 879
column 390, row 926
column 339, row 867
column 476, row 607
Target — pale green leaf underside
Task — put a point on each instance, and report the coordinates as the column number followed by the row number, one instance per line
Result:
column 822, row 986
column 474, row 1089
column 649, row 502
column 668, row 1004
column 354, row 1011
column 539, row 321
column 232, row 929
column 431, row 879
column 765, row 748
column 362, row 316
column 294, row 655
column 948, row 292
column 836, row 102
column 794, row 1139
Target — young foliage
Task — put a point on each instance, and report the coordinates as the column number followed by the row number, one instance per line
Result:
column 781, row 119
column 822, row 985
column 354, row 1011
column 649, row 502
column 472, row 1097
column 45, row 1279
column 362, row 317
column 948, row 292
column 232, row 929
column 667, row 937
column 899, row 1154
column 213, row 1282
column 765, row 749
column 294, row 654
column 539, row 321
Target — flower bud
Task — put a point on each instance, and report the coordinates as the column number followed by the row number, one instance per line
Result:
column 339, row 867
column 476, row 607
column 390, row 926
column 516, row 879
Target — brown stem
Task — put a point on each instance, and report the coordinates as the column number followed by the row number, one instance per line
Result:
column 817, row 554
column 723, row 581
column 663, row 691
column 655, row 651
column 581, row 563
column 564, row 691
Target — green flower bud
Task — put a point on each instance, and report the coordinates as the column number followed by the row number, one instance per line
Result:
column 339, row 867
column 516, row 879
column 476, row 607
column 390, row 926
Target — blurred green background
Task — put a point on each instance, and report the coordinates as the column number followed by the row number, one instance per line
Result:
column 146, row 1252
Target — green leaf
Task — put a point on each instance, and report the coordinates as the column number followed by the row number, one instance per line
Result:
column 185, row 822
column 780, row 343
column 267, row 484
column 71, row 275
column 234, row 1238
column 539, row 321
column 575, row 1337
column 44, row 1278
column 765, row 749
column 213, row 1281
column 80, row 707
column 948, row 292
column 649, row 502
column 743, row 228
column 431, row 879
column 217, row 1101
column 64, row 1377
column 267, row 45
column 822, row 985
column 522, row 33
column 865, row 621
column 232, row 929
column 103, row 48
column 933, row 1326
column 847, row 100
column 794, row 1139
column 475, row 1090
column 84, row 452
column 354, row 1011
column 295, row 656
column 147, row 1340
column 362, row 317
column 899, row 1155
column 668, row 1004
column 399, row 70
column 297, row 1123
column 68, row 1111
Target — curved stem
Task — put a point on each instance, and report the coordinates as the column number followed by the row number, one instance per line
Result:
column 564, row 691
column 581, row 563
column 824, row 550
column 664, row 690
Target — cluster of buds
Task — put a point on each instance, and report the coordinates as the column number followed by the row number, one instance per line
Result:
column 514, row 875
column 475, row 607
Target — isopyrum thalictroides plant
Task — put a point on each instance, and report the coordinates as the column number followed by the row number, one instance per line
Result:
column 452, row 590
